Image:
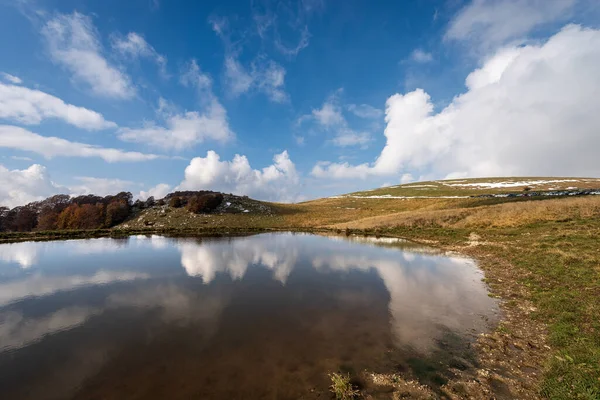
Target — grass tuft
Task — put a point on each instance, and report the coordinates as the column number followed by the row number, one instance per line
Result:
column 341, row 387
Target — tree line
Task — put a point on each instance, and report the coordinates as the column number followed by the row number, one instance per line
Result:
column 63, row 212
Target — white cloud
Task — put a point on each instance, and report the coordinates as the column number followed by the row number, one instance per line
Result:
column 183, row 130
column 347, row 137
column 11, row 78
column 406, row 178
column 421, row 56
column 329, row 114
column 293, row 50
column 265, row 76
column 74, row 44
column 29, row 106
column 135, row 46
column 278, row 181
column 492, row 23
column 286, row 26
column 194, row 77
column 261, row 75
column 14, row 137
column 330, row 118
column 365, row 111
column 528, row 111
column 20, row 158
column 18, row 187
column 100, row 186
column 158, row 192
column 270, row 78
column 238, row 80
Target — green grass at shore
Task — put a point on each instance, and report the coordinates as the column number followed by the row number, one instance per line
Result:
column 561, row 265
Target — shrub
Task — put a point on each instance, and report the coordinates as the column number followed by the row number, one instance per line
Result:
column 116, row 212
column 175, row 202
column 204, row 203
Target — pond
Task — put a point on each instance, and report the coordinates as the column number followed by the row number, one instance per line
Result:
column 264, row 316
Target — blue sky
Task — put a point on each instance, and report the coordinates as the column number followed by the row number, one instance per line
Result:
column 290, row 100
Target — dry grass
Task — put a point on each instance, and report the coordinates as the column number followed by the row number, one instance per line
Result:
column 499, row 215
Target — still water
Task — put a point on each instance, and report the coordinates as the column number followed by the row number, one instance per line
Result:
column 265, row 316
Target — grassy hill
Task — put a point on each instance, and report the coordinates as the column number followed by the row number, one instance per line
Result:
column 444, row 203
column 479, row 186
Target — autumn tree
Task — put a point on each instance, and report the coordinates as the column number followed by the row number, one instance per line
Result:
column 66, row 219
column 47, row 219
column 88, row 216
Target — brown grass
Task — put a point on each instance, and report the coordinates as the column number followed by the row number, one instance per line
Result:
column 499, row 215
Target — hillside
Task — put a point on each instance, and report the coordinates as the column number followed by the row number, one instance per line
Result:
column 481, row 186
column 369, row 209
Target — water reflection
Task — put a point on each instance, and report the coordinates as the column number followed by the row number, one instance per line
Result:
column 25, row 254
column 282, row 310
column 279, row 254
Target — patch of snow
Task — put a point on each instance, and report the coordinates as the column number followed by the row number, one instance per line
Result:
column 509, row 184
column 246, row 211
column 389, row 196
column 420, row 186
column 227, row 204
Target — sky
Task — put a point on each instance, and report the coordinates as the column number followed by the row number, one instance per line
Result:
column 292, row 100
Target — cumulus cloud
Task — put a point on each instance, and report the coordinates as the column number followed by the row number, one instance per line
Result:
column 134, row 46
column 528, row 111
column 182, row 130
column 158, row 192
column 331, row 119
column 74, row 44
column 18, row 187
column 491, row 23
column 11, row 78
column 29, row 106
column 13, row 137
column 278, row 182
